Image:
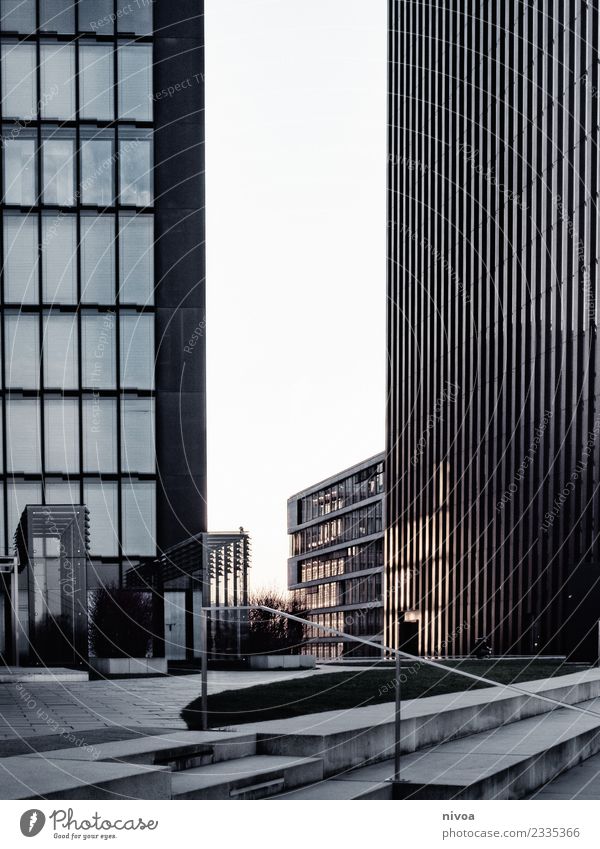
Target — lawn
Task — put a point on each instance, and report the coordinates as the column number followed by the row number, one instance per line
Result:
column 354, row 688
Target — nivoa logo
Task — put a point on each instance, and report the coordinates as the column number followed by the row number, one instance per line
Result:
column 32, row 822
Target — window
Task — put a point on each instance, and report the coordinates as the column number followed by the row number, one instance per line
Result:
column 135, row 82
column 97, row 259
column 96, row 16
column 137, row 435
column 97, row 163
column 59, row 259
column 20, row 259
column 99, row 346
column 23, row 436
column 57, row 15
column 139, row 518
column 101, row 499
column 59, row 166
column 19, row 495
column 18, row 15
column 61, row 425
column 137, row 350
column 96, row 82
column 61, row 492
column 19, row 86
column 60, row 351
column 135, row 157
column 57, row 74
column 22, row 350
column 136, row 254
column 99, row 435
column 134, row 17
column 19, row 171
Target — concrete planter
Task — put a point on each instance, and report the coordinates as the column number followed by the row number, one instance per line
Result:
column 282, row 661
column 129, row 665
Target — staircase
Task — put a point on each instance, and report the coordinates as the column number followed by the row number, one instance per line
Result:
column 482, row 744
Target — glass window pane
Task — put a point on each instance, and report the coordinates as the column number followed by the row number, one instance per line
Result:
column 135, row 82
column 99, row 435
column 19, row 81
column 137, row 351
column 135, row 17
column 61, row 492
column 59, row 259
column 136, row 255
column 96, row 82
column 139, row 518
column 23, row 435
column 22, row 351
column 137, row 435
column 60, row 351
column 97, row 163
column 19, row 495
column 99, row 346
column 57, row 66
column 18, row 15
column 21, row 259
column 57, row 15
column 96, row 16
column 58, row 165
column 61, row 435
column 101, row 500
column 97, row 259
column 135, row 157
column 19, row 171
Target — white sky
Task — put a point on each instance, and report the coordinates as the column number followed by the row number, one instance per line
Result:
column 296, row 162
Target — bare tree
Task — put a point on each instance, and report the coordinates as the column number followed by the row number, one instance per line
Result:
column 272, row 634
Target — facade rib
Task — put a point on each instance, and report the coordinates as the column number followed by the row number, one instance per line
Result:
column 493, row 412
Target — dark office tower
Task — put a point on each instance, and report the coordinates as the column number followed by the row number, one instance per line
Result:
column 103, row 390
column 494, row 416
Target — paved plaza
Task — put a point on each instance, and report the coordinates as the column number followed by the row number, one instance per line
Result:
column 29, row 709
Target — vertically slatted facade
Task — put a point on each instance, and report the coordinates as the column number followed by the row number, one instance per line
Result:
column 493, row 412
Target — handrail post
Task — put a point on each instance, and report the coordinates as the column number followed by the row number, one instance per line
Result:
column 204, row 667
column 397, row 717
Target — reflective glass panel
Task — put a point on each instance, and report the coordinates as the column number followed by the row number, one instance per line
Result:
column 136, row 254
column 137, row 435
column 137, row 350
column 23, row 436
column 99, row 435
column 139, row 518
column 135, row 82
column 57, row 74
column 19, row 85
column 59, row 259
column 97, row 259
column 97, row 165
column 19, row 171
column 96, row 82
column 61, row 417
column 59, row 166
column 60, row 351
column 135, row 157
column 99, row 350
column 22, row 351
column 21, row 259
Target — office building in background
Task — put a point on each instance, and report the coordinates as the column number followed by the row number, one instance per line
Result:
column 336, row 562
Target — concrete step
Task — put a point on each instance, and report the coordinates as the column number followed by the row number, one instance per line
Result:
column 38, row 778
column 177, row 750
column 41, row 675
column 509, row 762
column 341, row 789
column 353, row 738
column 578, row 782
column 256, row 777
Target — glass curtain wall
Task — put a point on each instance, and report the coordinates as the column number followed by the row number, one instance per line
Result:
column 77, row 331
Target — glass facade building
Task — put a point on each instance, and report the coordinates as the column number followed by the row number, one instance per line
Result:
column 336, row 562
column 494, row 398
column 102, row 242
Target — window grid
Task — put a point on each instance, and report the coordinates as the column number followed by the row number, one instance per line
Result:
column 118, row 212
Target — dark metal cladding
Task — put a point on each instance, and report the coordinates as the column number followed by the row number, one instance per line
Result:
column 493, row 415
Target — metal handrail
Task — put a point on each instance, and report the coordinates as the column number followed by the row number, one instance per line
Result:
column 399, row 655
